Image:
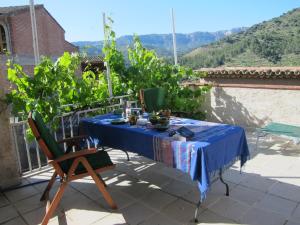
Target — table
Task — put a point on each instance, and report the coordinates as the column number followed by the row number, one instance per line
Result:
column 213, row 148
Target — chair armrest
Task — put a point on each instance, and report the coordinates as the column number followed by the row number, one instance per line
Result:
column 72, row 139
column 72, row 155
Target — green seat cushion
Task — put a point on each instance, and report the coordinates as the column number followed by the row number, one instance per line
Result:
column 154, row 99
column 46, row 135
column 282, row 129
column 97, row 160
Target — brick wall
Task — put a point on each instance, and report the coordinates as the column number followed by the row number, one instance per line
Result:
column 70, row 47
column 51, row 35
column 4, row 84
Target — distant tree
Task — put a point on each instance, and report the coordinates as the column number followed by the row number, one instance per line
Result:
column 273, row 42
column 269, row 45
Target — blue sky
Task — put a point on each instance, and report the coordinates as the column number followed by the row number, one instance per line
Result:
column 82, row 20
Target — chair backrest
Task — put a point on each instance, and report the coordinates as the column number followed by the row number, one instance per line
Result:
column 45, row 139
column 153, row 99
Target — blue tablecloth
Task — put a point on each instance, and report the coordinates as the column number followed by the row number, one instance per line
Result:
column 214, row 146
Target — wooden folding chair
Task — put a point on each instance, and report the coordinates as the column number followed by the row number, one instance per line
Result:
column 70, row 166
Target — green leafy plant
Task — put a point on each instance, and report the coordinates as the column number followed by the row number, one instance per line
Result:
column 58, row 87
column 147, row 70
column 115, row 59
column 53, row 85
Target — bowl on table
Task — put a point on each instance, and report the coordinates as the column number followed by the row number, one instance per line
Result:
column 163, row 121
column 118, row 121
column 162, row 124
column 161, row 127
column 154, row 119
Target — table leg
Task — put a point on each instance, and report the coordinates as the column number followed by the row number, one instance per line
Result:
column 221, row 179
column 196, row 211
column 257, row 140
column 199, row 203
column 128, row 159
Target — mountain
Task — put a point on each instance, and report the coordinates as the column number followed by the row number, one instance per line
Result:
column 271, row 43
column 161, row 43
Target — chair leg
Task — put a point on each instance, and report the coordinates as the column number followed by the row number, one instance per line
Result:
column 48, row 188
column 257, row 140
column 103, row 182
column 103, row 190
column 54, row 203
column 99, row 184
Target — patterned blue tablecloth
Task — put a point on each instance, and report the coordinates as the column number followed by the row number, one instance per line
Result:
column 214, row 146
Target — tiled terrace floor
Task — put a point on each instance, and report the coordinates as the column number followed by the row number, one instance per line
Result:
column 267, row 192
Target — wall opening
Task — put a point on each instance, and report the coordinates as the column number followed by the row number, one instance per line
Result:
column 3, row 40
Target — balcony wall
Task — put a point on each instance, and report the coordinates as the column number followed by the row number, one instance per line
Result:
column 252, row 107
column 252, row 97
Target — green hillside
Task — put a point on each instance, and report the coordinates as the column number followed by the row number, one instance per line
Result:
column 161, row 43
column 271, row 43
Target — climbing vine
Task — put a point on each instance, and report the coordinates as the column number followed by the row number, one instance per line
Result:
column 57, row 84
column 53, row 85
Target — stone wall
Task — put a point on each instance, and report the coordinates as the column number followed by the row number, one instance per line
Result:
column 9, row 172
column 252, row 107
column 251, row 96
column 52, row 43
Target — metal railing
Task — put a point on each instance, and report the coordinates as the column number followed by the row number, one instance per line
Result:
column 30, row 157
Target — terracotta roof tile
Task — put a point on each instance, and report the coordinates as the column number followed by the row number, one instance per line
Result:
column 95, row 58
column 253, row 72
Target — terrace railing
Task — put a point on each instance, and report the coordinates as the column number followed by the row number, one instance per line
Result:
column 31, row 159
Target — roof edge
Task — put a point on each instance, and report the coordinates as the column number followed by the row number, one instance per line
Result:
column 289, row 72
column 23, row 8
column 262, row 68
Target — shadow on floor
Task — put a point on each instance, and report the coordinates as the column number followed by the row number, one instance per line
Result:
column 132, row 182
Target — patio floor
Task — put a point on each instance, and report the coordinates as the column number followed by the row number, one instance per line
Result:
column 146, row 192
